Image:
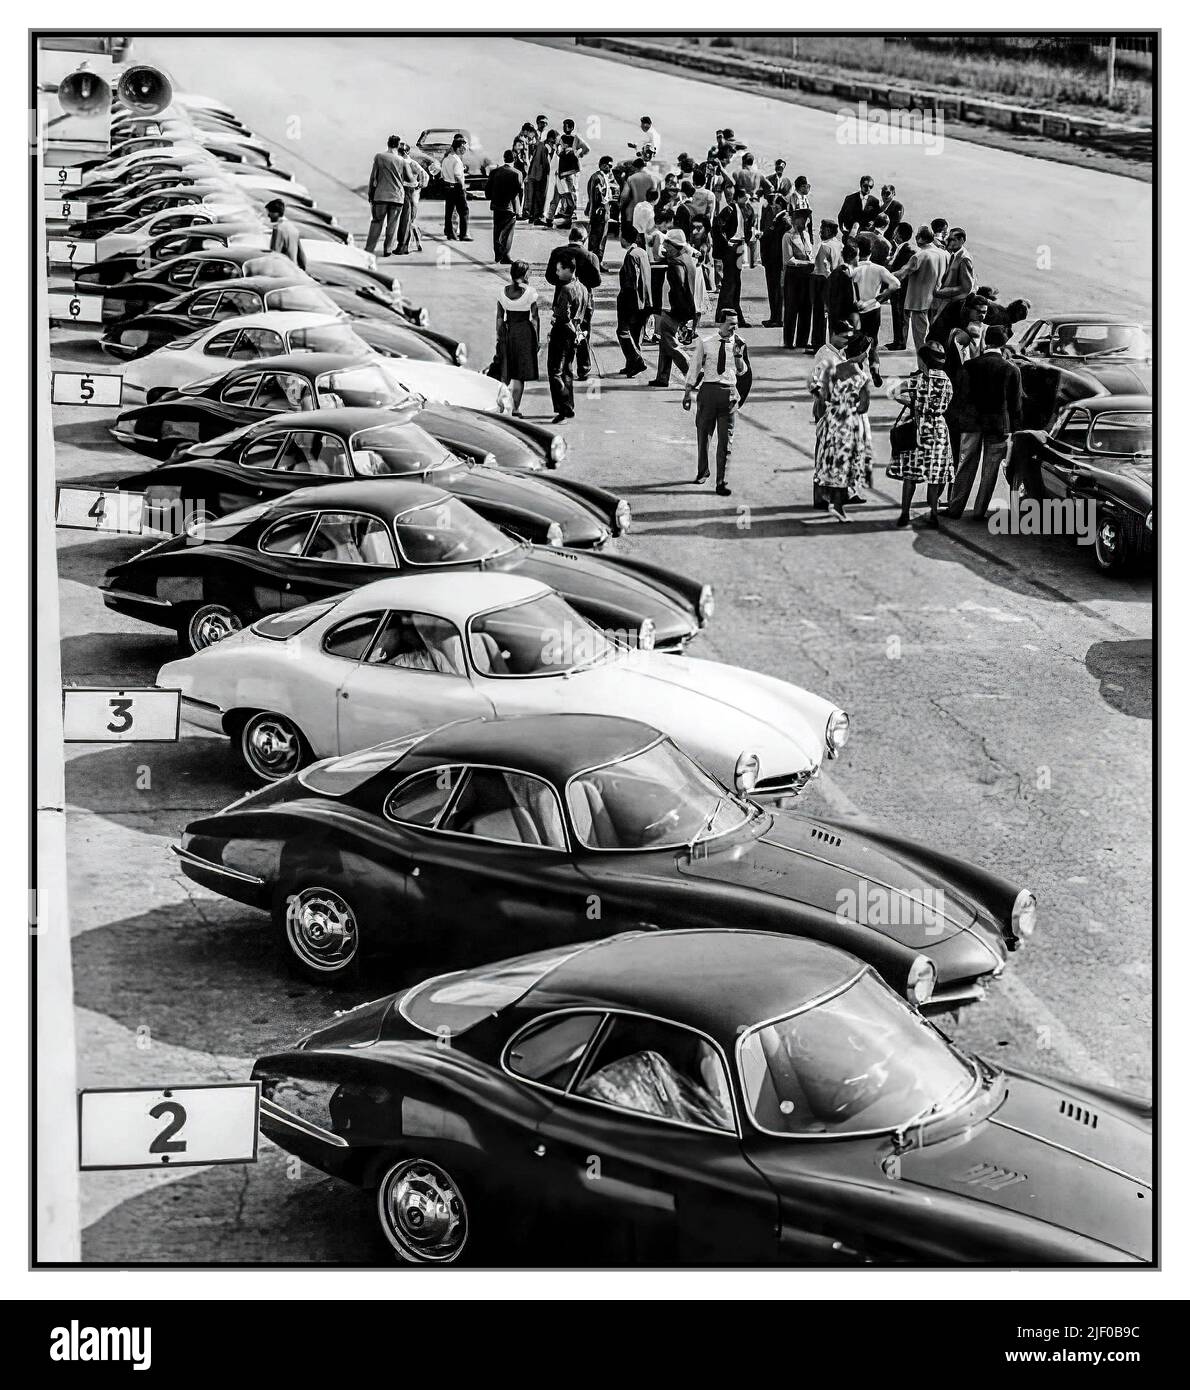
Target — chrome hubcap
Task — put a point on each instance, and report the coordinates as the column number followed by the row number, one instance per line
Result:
column 423, row 1212
column 273, row 747
column 212, row 625
column 1107, row 541
column 321, row 928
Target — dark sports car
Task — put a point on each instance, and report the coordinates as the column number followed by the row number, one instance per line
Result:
column 1092, row 470
column 317, row 380
column 601, row 1103
column 1112, row 350
column 282, row 452
column 432, row 148
column 317, row 543
column 383, row 330
column 548, row 829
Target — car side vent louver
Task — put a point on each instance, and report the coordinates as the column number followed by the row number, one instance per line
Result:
column 1080, row 1114
column 817, row 833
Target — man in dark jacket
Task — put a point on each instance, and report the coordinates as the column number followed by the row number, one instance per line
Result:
column 571, row 302
column 774, row 223
column 540, row 176
column 988, row 410
column 891, row 206
column 902, row 241
column 504, row 191
column 860, row 208
column 634, row 304
column 680, row 271
column 732, row 231
column 842, row 293
column 600, row 191
column 588, row 273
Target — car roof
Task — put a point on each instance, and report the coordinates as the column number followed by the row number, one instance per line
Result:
column 237, row 252
column 552, row 746
column 282, row 320
column 345, row 420
column 309, row 363
column 1128, row 320
column 715, row 980
column 384, row 497
column 1100, row 405
column 456, row 596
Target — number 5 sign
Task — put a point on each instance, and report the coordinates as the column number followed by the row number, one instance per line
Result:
column 144, row 715
column 169, row 1126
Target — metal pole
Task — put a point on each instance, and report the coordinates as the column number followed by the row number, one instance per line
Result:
column 1111, row 69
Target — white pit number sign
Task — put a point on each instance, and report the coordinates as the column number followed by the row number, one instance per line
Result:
column 140, row 715
column 86, row 388
column 169, row 1126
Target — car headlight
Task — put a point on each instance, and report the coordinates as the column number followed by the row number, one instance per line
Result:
column 421, row 317
column 558, row 449
column 504, row 400
column 1149, row 522
column 923, row 976
column 623, row 516
column 460, row 354
column 1024, row 914
column 350, row 239
column 838, row 731
column 706, row 604
column 747, row 772
column 488, row 460
column 647, row 638
column 554, row 535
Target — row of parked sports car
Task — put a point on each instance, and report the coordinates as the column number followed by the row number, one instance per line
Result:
column 478, row 730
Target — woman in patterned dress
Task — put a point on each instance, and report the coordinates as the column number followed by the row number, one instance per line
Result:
column 927, row 393
column 843, row 464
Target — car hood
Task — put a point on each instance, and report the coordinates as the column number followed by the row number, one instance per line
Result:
column 495, row 490
column 473, row 430
column 441, row 382
column 1052, row 1153
column 1122, row 378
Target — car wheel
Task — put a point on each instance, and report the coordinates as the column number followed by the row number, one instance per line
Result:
column 1113, row 548
column 272, row 746
column 319, row 932
column 207, row 623
column 422, row 1213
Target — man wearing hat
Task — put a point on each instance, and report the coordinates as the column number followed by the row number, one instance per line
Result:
column 680, row 271
column 720, row 370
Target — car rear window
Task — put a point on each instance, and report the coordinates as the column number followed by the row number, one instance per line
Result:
column 1130, row 433
column 338, row 776
column 280, row 626
column 449, row 1005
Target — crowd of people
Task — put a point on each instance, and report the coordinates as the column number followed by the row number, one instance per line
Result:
column 691, row 237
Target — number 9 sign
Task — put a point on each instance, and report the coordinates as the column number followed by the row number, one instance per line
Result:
column 169, row 1126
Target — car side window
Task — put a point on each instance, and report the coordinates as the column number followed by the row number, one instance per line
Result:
column 350, row 538
column 232, row 303
column 658, row 1069
column 422, row 798
column 257, row 342
column 214, row 270
column 507, row 806
column 550, row 1050
column 204, row 306
column 261, row 452
column 352, row 637
column 1040, row 341
column 239, row 391
column 284, row 391
column 419, row 642
column 182, row 275
column 308, row 451
column 222, row 343
column 288, row 536
column 1072, row 432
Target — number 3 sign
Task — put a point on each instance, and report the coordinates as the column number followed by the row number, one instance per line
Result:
column 144, row 715
column 169, row 1126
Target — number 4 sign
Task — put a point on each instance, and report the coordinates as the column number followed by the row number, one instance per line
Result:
column 144, row 715
column 169, row 1126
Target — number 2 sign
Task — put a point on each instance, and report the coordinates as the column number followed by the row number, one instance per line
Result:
column 169, row 1126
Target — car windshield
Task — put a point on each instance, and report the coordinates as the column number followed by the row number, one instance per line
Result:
column 859, row 1061
column 658, row 798
column 1122, row 434
column 363, row 386
column 1126, row 340
column 331, row 337
column 446, row 137
column 450, row 1004
column 302, row 299
column 543, row 636
column 448, row 532
column 387, row 451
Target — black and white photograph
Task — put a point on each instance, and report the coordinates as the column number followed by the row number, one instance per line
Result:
column 592, row 618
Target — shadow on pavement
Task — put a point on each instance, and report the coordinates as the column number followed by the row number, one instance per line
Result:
column 1124, row 671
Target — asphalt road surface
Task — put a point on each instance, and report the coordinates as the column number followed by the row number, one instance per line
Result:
column 1000, row 687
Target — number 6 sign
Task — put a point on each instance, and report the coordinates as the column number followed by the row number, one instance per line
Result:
column 169, row 1126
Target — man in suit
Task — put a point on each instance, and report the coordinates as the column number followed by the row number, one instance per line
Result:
column 720, row 371
column 958, row 279
column 600, row 188
column 902, row 243
column 989, row 409
column 779, row 181
column 774, row 223
column 921, row 275
column 504, row 189
column 634, row 304
column 284, row 240
column 386, row 193
column 570, row 308
column 891, row 206
column 572, row 150
column 588, row 273
column 842, row 293
column 879, row 247
column 731, row 234
column 680, row 271
column 858, row 209
column 540, row 176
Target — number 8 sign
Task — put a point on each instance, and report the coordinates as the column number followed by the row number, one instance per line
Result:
column 169, row 1126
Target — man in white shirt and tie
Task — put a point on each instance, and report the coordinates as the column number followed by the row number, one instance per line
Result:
column 722, row 374
column 454, row 178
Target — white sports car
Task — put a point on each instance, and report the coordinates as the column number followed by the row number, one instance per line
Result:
column 403, row 655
